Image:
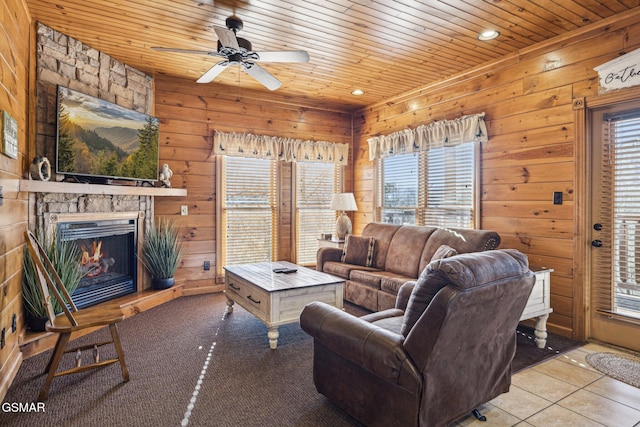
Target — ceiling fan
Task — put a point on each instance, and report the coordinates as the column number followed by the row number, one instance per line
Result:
column 237, row 51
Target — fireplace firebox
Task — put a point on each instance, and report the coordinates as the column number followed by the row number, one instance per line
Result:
column 107, row 257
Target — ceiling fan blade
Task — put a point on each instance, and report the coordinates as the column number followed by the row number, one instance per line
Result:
column 261, row 75
column 188, row 51
column 227, row 37
column 213, row 72
column 284, row 56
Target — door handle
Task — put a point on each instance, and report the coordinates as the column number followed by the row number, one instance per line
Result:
column 596, row 243
column 597, row 226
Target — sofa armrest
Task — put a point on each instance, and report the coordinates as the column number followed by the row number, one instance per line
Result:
column 377, row 350
column 402, row 300
column 327, row 254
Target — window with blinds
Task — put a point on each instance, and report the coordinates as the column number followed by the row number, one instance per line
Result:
column 315, row 185
column 450, row 186
column 398, row 188
column 435, row 188
column 249, row 210
column 617, row 272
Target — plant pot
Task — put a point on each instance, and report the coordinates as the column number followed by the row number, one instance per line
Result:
column 36, row 323
column 162, row 283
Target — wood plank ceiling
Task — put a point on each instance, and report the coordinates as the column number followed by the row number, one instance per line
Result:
column 383, row 47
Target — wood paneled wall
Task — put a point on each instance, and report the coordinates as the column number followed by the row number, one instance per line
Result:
column 528, row 101
column 189, row 114
column 15, row 43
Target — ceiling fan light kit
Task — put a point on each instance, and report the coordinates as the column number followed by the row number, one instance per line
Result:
column 238, row 51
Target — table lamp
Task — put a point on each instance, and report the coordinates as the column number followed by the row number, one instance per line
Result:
column 343, row 202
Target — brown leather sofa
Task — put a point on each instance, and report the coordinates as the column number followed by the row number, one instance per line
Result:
column 445, row 349
column 400, row 253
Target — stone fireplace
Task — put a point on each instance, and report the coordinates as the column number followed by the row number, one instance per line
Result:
column 62, row 60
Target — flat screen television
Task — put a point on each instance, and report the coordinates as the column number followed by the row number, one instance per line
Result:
column 99, row 141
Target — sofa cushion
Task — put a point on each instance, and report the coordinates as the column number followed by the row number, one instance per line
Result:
column 393, row 324
column 392, row 284
column 358, row 250
column 463, row 240
column 405, row 250
column 383, row 233
column 444, row 251
column 371, row 279
column 343, row 270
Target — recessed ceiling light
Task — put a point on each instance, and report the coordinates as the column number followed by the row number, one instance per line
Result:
column 488, row 35
column 357, row 92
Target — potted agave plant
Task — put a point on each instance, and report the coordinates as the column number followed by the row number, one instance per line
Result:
column 162, row 253
column 64, row 257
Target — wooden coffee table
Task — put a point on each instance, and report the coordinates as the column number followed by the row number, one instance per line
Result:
column 278, row 298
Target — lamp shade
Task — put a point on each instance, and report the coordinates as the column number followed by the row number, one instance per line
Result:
column 343, row 202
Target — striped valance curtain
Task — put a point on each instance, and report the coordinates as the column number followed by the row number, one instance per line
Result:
column 279, row 148
column 444, row 133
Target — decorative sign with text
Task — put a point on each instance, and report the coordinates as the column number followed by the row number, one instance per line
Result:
column 9, row 135
column 620, row 72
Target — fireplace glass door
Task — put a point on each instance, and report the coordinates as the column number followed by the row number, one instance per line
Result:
column 107, row 257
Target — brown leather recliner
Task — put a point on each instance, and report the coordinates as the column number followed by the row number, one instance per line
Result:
column 444, row 350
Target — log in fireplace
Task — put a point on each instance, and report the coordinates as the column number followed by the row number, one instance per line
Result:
column 107, row 256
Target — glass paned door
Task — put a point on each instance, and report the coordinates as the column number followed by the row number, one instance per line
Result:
column 615, row 284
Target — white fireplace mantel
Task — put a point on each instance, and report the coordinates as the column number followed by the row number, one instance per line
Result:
column 33, row 186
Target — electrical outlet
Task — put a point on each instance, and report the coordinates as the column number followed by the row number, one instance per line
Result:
column 184, row 210
column 207, row 265
column 557, row 197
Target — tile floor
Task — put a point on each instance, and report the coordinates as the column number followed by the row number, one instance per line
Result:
column 563, row 391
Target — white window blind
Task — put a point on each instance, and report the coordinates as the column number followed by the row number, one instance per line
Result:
column 398, row 189
column 434, row 187
column 450, row 186
column 249, row 214
column 315, row 185
column 617, row 273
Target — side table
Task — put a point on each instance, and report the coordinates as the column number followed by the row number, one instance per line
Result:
column 331, row 243
column 539, row 305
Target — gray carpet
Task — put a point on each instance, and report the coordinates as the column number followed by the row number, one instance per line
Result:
column 167, row 350
column 623, row 367
column 192, row 365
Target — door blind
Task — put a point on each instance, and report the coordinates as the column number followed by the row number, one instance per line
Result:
column 617, row 264
column 249, row 210
column 315, row 184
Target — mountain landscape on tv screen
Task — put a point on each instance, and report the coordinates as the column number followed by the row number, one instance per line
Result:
column 96, row 137
column 124, row 138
